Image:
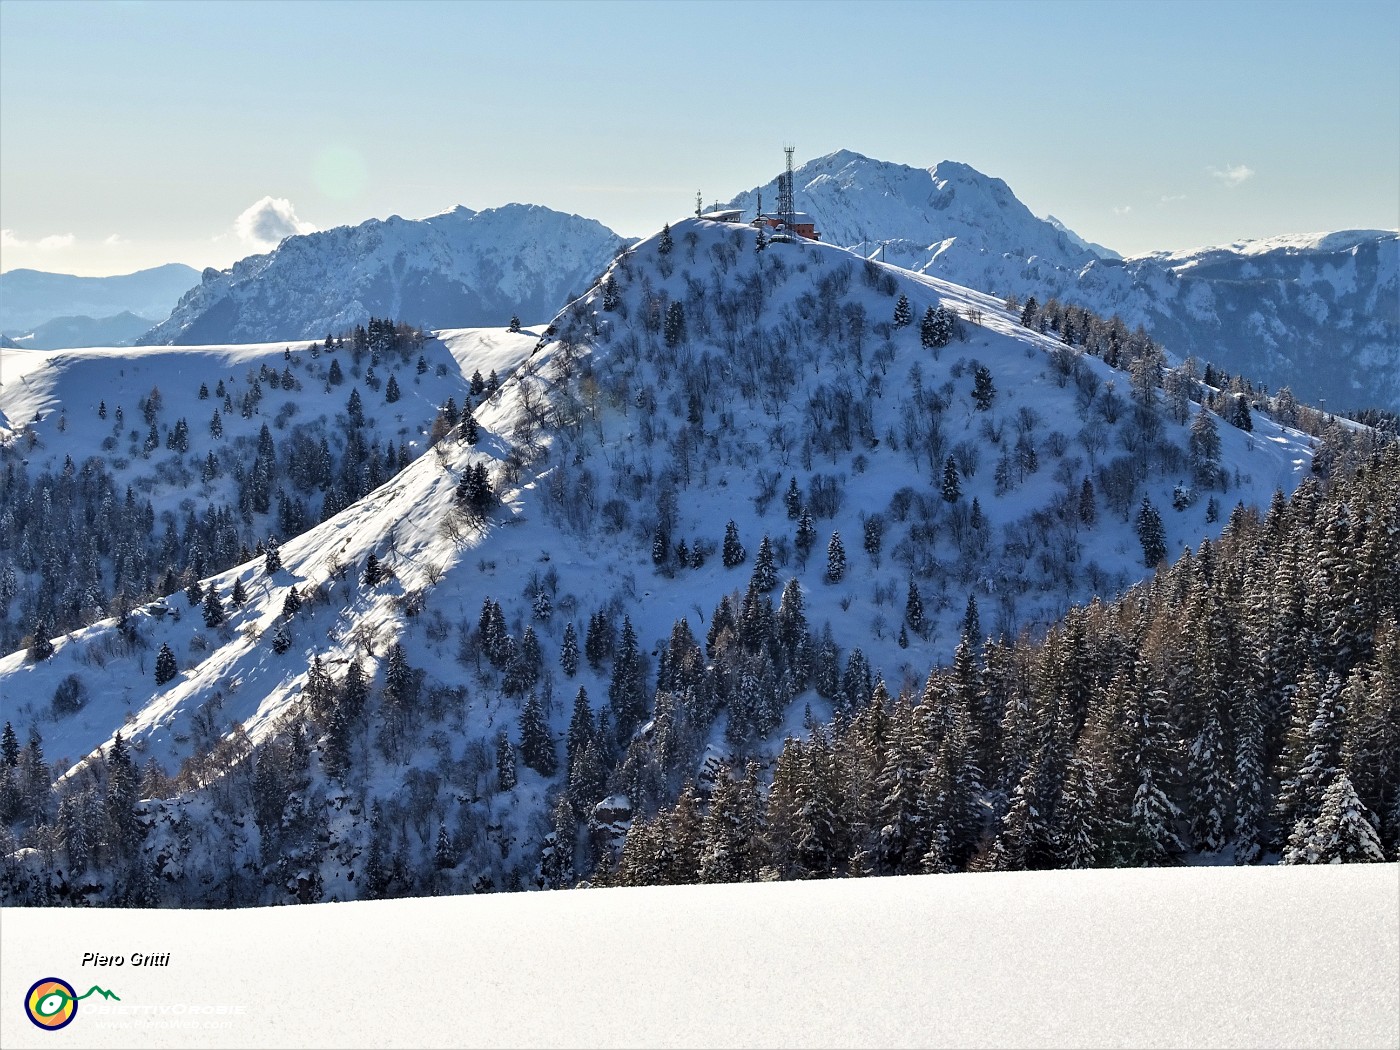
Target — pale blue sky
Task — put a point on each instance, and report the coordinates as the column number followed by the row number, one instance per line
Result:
column 134, row 133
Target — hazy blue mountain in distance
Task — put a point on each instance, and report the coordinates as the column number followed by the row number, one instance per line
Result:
column 29, row 298
column 63, row 333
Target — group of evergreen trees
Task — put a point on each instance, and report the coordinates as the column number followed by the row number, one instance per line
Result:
column 1244, row 703
column 78, row 545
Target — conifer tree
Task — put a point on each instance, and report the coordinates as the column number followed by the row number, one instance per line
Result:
column 391, row 390
column 1209, row 787
column 373, row 572
column 1239, row 413
column 806, row 536
column 612, row 297
column 984, row 391
column 765, row 576
column 903, row 313
column 665, row 245
column 952, row 488
column 1343, row 832
column 238, row 596
column 40, row 648
column 444, row 855
column 568, row 651
column 675, row 324
column 505, row 761
column 835, row 559
column 971, row 627
column 1154, row 814
column 724, row 854
column 1204, row 448
column 1088, row 510
column 627, row 691
column 213, row 607
column 165, row 664
column 557, row 856
column 536, row 744
column 733, row 551
column 792, row 500
column 354, row 409
column 1151, row 534
column 928, row 329
column 914, row 609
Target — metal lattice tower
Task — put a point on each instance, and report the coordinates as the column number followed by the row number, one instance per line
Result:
column 787, row 207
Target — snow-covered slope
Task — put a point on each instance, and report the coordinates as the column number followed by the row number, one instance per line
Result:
column 174, row 436
column 1218, row 957
column 692, row 388
column 31, row 297
column 459, row 269
column 1319, row 313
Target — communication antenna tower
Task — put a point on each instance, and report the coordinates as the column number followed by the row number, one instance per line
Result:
column 786, row 206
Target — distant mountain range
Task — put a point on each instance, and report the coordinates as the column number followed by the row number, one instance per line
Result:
column 460, row 269
column 63, row 333
column 30, row 298
column 1319, row 313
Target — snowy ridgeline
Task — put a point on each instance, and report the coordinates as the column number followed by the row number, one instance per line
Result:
column 388, row 709
column 1196, row 957
column 1319, row 314
column 459, row 269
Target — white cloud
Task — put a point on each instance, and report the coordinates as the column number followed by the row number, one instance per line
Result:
column 52, row 243
column 1124, row 210
column 1172, row 198
column 1233, row 174
column 268, row 221
column 116, row 241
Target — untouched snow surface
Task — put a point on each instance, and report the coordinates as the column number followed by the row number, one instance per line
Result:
column 1165, row 957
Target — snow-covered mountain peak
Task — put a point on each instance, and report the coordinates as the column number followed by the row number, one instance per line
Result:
column 462, row 268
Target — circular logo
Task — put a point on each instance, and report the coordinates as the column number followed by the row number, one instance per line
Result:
column 51, row 1003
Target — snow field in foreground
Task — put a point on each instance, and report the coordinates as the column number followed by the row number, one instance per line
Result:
column 1158, row 957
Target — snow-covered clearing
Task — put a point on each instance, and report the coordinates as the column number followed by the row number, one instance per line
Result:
column 1179, row 957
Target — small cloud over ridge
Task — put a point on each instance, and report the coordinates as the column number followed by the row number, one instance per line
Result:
column 268, row 221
